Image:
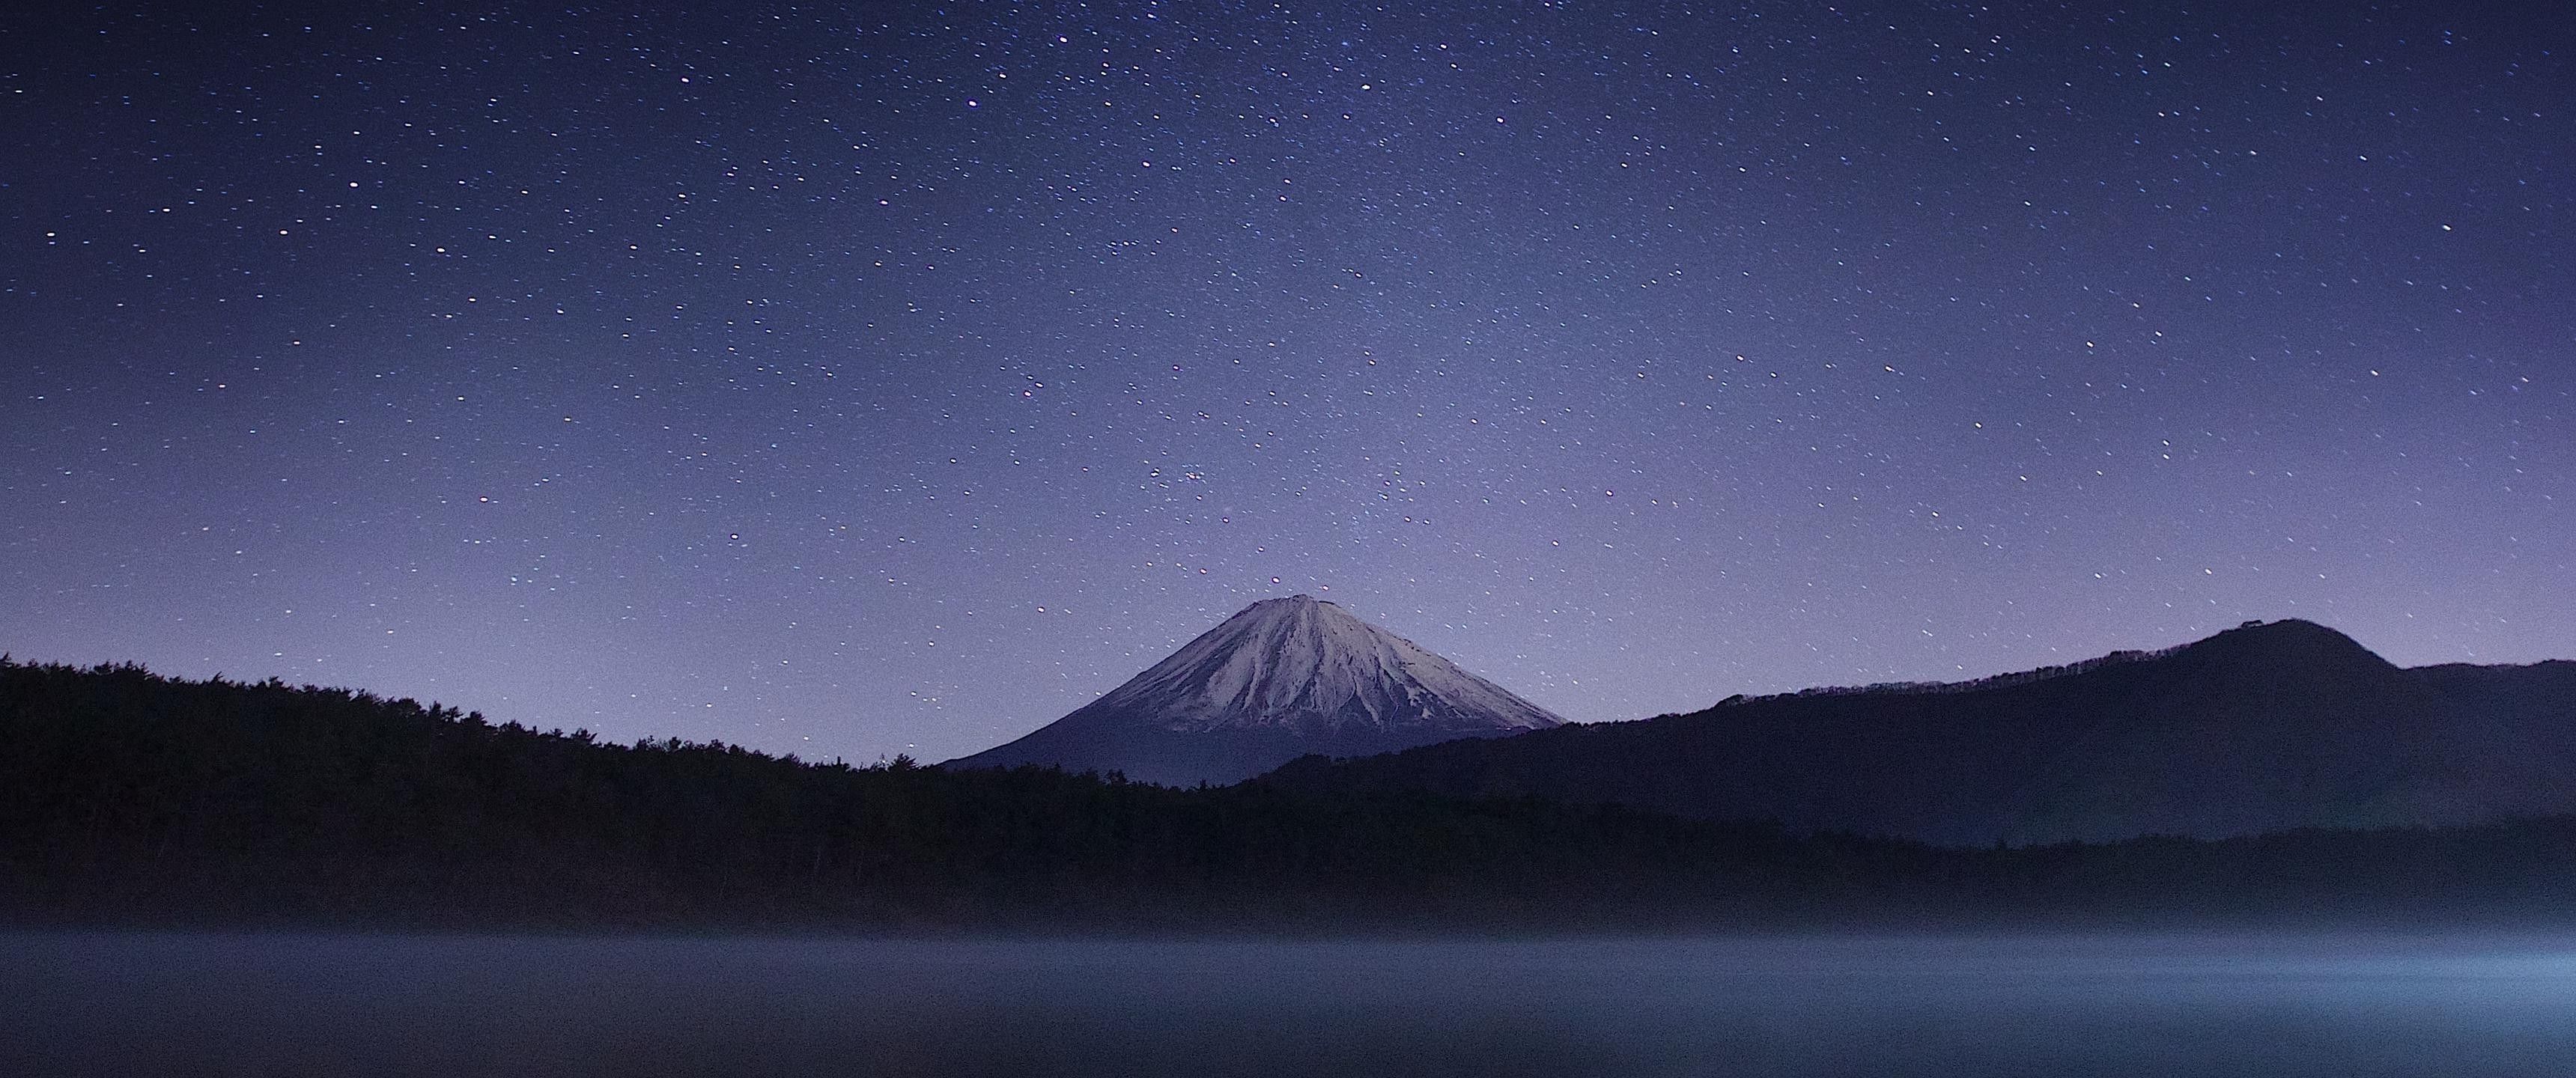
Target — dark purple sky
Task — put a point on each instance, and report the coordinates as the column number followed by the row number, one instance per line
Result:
column 881, row 380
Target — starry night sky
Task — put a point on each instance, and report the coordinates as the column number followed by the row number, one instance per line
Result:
column 891, row 379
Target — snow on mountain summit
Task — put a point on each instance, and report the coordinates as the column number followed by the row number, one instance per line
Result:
column 1279, row 679
column 1301, row 661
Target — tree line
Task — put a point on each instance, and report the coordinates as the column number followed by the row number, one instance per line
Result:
column 127, row 797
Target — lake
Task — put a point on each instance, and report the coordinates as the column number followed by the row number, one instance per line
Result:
column 270, row 1004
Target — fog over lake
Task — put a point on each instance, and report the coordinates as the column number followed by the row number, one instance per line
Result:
column 120, row 1003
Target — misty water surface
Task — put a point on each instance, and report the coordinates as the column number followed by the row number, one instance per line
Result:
column 449, row 1005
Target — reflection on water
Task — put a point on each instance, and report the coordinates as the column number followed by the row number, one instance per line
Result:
column 430, row 1005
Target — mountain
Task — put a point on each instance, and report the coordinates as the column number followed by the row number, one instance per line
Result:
column 1280, row 679
column 2261, row 728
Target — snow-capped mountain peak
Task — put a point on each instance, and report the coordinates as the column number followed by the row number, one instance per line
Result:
column 1302, row 662
column 1279, row 679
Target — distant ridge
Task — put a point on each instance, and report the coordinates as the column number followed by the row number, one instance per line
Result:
column 2291, row 627
column 2265, row 727
column 1280, row 679
column 1997, row 681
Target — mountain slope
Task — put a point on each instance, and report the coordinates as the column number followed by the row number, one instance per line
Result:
column 2260, row 728
column 1278, row 680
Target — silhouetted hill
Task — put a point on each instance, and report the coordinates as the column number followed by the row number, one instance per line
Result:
column 128, row 798
column 2266, row 727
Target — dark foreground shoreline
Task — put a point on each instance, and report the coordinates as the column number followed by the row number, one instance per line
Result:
column 2496, row 878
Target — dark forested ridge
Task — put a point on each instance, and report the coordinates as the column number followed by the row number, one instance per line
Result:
column 125, row 795
column 130, row 798
column 2264, row 728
